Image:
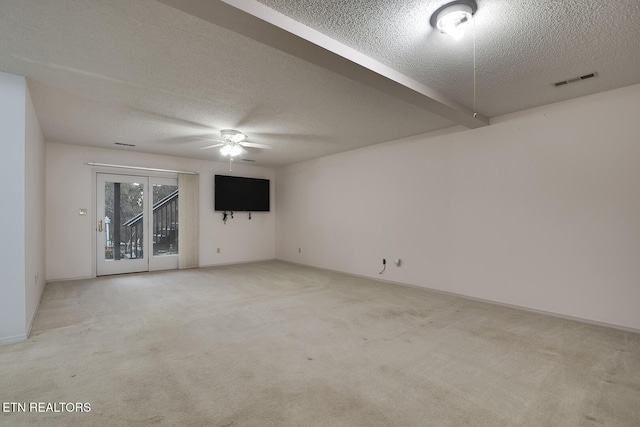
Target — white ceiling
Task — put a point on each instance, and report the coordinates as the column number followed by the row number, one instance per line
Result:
column 147, row 74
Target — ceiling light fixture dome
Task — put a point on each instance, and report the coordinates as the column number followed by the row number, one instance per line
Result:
column 451, row 17
column 230, row 149
column 235, row 151
column 225, row 150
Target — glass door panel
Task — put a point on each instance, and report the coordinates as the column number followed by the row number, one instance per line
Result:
column 165, row 220
column 164, row 223
column 121, row 224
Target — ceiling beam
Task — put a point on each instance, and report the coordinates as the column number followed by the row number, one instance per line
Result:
column 260, row 23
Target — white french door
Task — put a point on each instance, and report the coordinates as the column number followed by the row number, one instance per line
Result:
column 137, row 224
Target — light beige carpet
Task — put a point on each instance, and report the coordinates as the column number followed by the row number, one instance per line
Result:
column 274, row 344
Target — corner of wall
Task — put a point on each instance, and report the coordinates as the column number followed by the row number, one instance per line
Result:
column 34, row 213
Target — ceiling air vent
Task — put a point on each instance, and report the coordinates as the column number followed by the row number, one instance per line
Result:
column 123, row 144
column 576, row 79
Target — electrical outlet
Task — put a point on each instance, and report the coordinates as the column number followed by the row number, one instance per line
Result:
column 218, row 250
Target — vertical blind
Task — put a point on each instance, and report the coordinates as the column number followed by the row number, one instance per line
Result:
column 189, row 208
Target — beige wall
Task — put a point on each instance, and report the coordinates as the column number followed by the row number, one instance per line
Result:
column 12, row 174
column 22, row 261
column 70, row 239
column 541, row 210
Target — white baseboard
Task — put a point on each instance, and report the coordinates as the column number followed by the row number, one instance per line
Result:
column 238, row 263
column 503, row 304
column 13, row 339
column 35, row 313
column 70, row 279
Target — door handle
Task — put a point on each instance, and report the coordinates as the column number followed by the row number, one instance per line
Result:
column 99, row 226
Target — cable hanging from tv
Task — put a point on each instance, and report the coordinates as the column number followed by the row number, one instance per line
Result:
column 226, row 215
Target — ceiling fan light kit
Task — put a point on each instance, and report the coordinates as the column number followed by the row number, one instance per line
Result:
column 451, row 17
column 232, row 135
column 233, row 143
column 230, row 150
column 231, row 139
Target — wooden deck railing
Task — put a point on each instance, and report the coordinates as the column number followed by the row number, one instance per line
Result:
column 165, row 228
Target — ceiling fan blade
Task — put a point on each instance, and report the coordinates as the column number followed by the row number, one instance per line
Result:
column 212, row 146
column 255, row 145
column 295, row 137
column 205, row 138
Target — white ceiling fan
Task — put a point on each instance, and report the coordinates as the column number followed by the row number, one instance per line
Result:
column 233, row 143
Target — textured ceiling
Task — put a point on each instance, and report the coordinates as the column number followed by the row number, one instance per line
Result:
column 146, row 74
column 523, row 46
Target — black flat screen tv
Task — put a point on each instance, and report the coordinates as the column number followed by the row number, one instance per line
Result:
column 235, row 193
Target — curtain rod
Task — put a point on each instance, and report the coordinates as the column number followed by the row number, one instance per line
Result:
column 139, row 168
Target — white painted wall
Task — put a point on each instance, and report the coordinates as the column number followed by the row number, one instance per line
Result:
column 540, row 210
column 69, row 244
column 12, row 214
column 34, row 212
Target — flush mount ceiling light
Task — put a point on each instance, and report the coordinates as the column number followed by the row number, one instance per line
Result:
column 451, row 17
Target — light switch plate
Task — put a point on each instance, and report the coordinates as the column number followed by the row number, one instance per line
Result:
column 82, row 212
